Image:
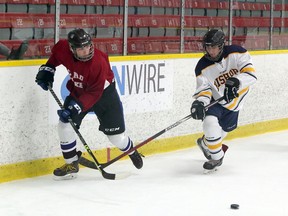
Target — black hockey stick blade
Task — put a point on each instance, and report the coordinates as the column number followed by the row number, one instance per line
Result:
column 110, row 176
column 90, row 164
column 87, row 163
column 97, row 165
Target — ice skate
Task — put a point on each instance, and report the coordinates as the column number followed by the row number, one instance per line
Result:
column 136, row 159
column 200, row 142
column 17, row 54
column 67, row 171
column 212, row 165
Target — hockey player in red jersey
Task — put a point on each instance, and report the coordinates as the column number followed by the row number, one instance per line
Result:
column 223, row 71
column 92, row 88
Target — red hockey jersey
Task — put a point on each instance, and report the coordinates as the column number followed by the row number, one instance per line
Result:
column 87, row 79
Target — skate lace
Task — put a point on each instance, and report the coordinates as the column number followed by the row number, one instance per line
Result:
column 68, row 167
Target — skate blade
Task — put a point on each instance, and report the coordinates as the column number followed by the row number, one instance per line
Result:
column 206, row 171
column 66, row 177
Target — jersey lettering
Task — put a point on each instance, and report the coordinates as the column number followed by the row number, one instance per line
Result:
column 75, row 76
column 223, row 77
column 78, row 84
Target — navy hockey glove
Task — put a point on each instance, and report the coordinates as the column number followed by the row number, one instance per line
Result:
column 73, row 110
column 198, row 110
column 231, row 89
column 45, row 76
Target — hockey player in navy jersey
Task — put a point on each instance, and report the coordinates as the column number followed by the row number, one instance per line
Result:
column 223, row 71
column 92, row 88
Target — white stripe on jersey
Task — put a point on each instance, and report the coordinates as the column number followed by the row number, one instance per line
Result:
column 211, row 76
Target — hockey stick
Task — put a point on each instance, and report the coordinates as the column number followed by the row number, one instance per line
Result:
column 96, row 164
column 87, row 163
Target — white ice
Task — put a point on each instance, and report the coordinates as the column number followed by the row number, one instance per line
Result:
column 254, row 175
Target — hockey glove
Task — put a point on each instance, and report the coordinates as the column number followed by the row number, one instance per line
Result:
column 231, row 89
column 45, row 76
column 198, row 110
column 71, row 111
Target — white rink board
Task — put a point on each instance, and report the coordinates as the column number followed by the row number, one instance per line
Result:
column 29, row 120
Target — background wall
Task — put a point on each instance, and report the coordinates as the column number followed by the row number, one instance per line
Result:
column 27, row 113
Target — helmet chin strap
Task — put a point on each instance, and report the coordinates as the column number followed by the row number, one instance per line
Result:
column 87, row 57
column 217, row 58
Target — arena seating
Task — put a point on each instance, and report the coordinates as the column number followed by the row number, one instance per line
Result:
column 153, row 25
column 5, row 26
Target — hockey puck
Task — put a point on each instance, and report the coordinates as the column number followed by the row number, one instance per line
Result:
column 234, row 206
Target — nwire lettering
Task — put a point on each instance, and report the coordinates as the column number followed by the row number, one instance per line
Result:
column 143, row 78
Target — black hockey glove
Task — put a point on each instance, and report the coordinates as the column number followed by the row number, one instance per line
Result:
column 198, row 110
column 45, row 76
column 231, row 89
column 71, row 111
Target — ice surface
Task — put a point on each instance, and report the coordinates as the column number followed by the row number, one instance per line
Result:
column 254, row 175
